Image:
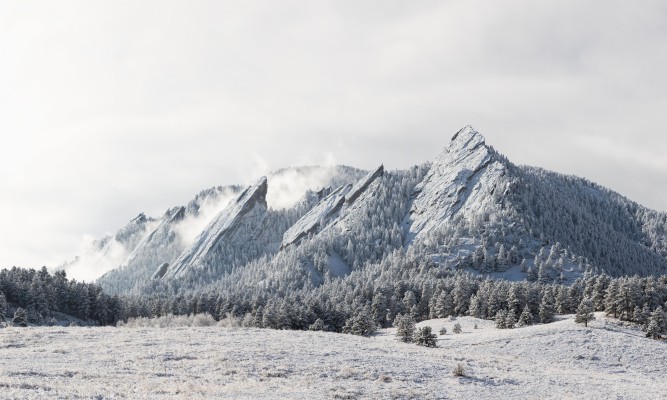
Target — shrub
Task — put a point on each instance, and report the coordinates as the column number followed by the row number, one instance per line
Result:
column 459, row 370
column 424, row 337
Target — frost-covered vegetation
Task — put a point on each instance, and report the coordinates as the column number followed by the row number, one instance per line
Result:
column 42, row 297
column 380, row 293
column 560, row 360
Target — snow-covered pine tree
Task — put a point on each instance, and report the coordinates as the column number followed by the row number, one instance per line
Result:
column 526, row 317
column 318, row 325
column 425, row 337
column 3, row 306
column 20, row 318
column 361, row 323
column 653, row 331
column 658, row 315
column 510, row 319
column 500, row 319
column 585, row 311
column 547, row 309
column 405, row 327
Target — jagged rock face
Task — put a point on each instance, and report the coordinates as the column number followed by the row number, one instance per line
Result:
column 238, row 223
column 461, row 181
column 331, row 209
column 362, row 185
column 132, row 233
column 160, row 244
column 317, row 217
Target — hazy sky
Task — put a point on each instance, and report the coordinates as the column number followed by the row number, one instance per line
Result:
column 111, row 108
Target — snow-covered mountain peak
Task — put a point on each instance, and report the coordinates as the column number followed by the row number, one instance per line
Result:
column 467, row 139
column 466, row 145
column 462, row 179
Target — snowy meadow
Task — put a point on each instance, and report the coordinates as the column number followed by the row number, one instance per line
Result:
column 605, row 360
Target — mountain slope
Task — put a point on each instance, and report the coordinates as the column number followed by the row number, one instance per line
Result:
column 166, row 239
column 462, row 181
column 470, row 209
column 331, row 208
column 238, row 223
column 318, row 216
column 111, row 251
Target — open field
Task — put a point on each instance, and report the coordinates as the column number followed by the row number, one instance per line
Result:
column 559, row 360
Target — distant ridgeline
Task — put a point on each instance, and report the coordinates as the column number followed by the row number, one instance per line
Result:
column 361, row 241
column 28, row 296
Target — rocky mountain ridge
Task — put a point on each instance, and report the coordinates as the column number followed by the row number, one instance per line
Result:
column 470, row 208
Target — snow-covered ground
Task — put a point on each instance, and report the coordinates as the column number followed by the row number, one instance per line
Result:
column 559, row 360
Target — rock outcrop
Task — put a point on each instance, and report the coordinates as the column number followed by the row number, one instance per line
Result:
column 238, row 223
column 330, row 209
column 461, row 180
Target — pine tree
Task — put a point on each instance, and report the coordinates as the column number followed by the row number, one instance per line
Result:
column 318, row 325
column 510, row 319
column 526, row 317
column 547, row 309
column 585, row 311
column 515, row 298
column 361, row 324
column 409, row 302
column 599, row 291
column 3, row 306
column 611, row 303
column 659, row 316
column 444, row 305
column 477, row 307
column 424, row 337
column 20, row 318
column 543, row 274
column 379, row 309
column 405, row 327
column 562, row 304
column 657, row 324
column 639, row 316
column 457, row 328
column 500, row 319
column 653, row 331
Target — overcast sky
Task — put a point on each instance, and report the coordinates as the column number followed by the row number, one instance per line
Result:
column 111, row 108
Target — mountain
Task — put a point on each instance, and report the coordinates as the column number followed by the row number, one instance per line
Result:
column 461, row 182
column 237, row 225
column 329, row 209
column 110, row 251
column 166, row 239
column 470, row 209
column 131, row 257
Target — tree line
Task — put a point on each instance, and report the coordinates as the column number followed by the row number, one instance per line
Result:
column 356, row 304
column 38, row 295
